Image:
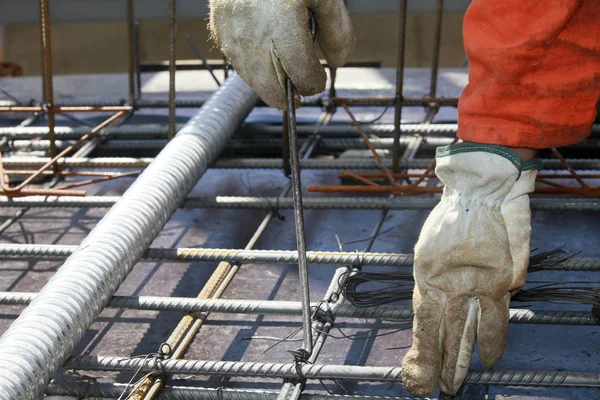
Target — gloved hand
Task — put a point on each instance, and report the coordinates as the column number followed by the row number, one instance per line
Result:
column 473, row 251
column 266, row 39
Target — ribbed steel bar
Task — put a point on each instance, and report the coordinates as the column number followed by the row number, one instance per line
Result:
column 380, row 130
column 263, row 307
column 172, row 67
column 254, row 129
column 257, row 143
column 316, row 371
column 47, row 70
column 130, row 51
column 399, row 85
column 246, row 256
column 65, row 132
column 114, row 390
column 38, row 342
column 369, row 163
column 262, row 163
column 275, row 203
column 298, row 216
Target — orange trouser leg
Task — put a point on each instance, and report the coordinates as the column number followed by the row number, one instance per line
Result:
column 534, row 72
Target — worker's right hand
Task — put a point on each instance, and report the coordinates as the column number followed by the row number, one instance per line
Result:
column 265, row 40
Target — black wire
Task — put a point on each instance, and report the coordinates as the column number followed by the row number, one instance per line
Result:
column 389, row 287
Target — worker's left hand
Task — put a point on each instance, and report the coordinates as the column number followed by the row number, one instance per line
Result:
column 265, row 40
column 473, row 252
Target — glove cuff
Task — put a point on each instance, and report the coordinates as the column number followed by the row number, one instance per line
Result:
column 480, row 172
column 509, row 154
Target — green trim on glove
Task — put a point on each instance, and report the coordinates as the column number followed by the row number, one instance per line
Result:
column 509, row 154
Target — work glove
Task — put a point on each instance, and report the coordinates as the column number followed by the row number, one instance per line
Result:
column 265, row 40
column 473, row 252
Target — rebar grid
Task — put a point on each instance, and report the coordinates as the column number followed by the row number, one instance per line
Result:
column 513, row 378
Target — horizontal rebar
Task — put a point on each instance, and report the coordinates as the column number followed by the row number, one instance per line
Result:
column 239, row 143
column 264, row 307
column 379, row 130
column 67, row 132
column 370, row 163
column 316, row 371
column 275, row 203
column 262, row 163
column 264, row 256
column 226, row 255
column 253, row 129
column 114, row 390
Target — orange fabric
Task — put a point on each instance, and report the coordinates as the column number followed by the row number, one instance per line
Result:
column 534, row 72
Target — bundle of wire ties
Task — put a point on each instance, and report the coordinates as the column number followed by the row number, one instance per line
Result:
column 388, row 287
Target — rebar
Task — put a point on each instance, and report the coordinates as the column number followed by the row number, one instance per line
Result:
column 114, row 390
column 278, row 203
column 130, row 51
column 435, row 62
column 47, row 70
column 172, row 67
column 379, row 130
column 316, row 371
column 145, row 131
column 399, row 86
column 298, row 217
column 247, row 256
column 384, row 132
column 39, row 341
column 369, row 163
column 263, row 307
column 199, row 54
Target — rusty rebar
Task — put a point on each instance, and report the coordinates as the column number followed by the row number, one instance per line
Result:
column 435, row 62
column 47, row 71
column 399, row 87
column 130, row 51
column 566, row 164
column 172, row 65
column 365, row 138
column 13, row 191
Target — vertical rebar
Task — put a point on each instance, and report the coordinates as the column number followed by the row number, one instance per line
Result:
column 130, row 50
column 299, row 216
column 285, row 143
column 399, row 86
column 433, row 109
column 225, row 67
column 47, row 71
column 435, row 61
column 138, row 56
column 172, row 66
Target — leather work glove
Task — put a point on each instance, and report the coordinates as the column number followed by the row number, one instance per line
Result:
column 266, row 39
column 473, row 252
